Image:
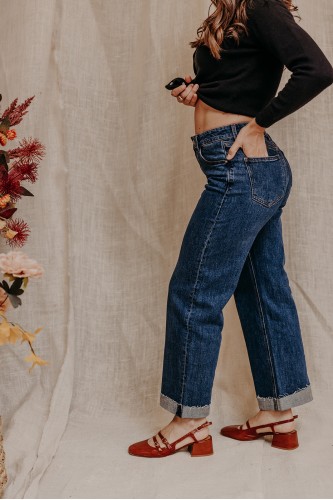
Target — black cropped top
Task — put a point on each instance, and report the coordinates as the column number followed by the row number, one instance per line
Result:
column 246, row 78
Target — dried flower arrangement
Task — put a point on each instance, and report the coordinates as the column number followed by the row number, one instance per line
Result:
column 16, row 165
column 16, row 266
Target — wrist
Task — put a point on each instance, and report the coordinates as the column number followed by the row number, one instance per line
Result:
column 255, row 126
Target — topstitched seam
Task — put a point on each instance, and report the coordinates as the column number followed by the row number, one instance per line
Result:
column 195, row 284
column 261, row 314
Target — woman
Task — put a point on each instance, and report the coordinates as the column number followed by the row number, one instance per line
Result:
column 233, row 243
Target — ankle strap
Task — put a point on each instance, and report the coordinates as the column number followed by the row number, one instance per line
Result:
column 191, row 433
column 205, row 424
column 272, row 423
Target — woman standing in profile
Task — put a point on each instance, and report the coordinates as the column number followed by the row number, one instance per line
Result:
column 233, row 242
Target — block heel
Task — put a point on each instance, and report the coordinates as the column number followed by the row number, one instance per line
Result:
column 286, row 440
column 202, row 448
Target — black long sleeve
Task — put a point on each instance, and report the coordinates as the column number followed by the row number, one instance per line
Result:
column 277, row 30
column 246, row 78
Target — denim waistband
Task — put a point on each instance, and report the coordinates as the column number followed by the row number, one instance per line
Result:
column 225, row 132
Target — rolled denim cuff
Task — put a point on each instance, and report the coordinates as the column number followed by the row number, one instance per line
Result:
column 183, row 410
column 297, row 398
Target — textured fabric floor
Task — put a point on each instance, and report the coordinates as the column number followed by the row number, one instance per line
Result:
column 103, row 469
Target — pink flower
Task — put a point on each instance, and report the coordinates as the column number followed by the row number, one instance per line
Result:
column 19, row 265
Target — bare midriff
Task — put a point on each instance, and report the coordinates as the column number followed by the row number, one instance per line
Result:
column 206, row 117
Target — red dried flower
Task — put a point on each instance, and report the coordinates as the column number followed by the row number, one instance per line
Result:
column 24, row 171
column 22, row 229
column 29, row 150
column 4, row 200
column 11, row 134
column 10, row 186
column 15, row 113
column 3, row 139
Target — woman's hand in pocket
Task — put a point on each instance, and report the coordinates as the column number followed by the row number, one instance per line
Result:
column 251, row 139
column 187, row 93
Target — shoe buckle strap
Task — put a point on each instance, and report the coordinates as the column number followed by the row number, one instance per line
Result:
column 272, row 424
column 191, row 433
column 171, row 446
column 164, row 440
column 282, row 422
column 156, row 443
column 205, row 424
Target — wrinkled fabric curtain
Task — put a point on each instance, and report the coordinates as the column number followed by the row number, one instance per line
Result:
column 114, row 195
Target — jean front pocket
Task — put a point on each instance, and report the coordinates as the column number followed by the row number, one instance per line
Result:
column 213, row 152
column 268, row 178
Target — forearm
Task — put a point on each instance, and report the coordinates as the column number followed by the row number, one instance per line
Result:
column 280, row 35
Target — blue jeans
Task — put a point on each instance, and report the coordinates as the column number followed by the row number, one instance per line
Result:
column 233, row 246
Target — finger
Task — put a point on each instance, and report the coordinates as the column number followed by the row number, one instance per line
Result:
column 192, row 90
column 189, row 95
column 188, row 78
column 233, row 150
column 178, row 90
column 193, row 100
column 188, row 89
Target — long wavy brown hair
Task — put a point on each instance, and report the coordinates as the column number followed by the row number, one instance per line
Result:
column 228, row 20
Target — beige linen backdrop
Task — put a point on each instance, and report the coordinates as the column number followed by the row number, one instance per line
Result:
column 113, row 198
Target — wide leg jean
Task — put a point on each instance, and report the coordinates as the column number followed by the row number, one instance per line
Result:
column 233, row 245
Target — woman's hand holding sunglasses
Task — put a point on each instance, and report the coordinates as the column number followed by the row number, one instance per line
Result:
column 186, row 94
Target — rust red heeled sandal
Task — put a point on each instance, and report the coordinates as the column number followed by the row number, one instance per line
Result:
column 198, row 448
column 283, row 440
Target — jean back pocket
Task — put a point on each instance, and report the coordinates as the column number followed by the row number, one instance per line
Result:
column 268, row 178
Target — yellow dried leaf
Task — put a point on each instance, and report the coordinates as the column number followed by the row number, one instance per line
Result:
column 36, row 360
column 10, row 234
column 30, row 336
column 26, row 336
column 15, row 334
column 4, row 332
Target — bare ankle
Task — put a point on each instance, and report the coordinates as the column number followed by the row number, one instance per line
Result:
column 189, row 421
column 279, row 414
